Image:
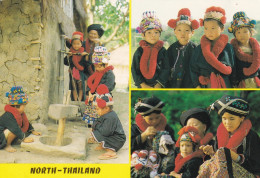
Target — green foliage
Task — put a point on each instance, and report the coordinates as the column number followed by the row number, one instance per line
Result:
column 110, row 16
column 178, row 101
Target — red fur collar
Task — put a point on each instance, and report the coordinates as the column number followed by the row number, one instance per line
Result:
column 254, row 59
column 95, row 78
column 180, row 161
column 212, row 56
column 236, row 139
column 77, row 58
column 140, row 122
column 21, row 119
column 205, row 140
column 148, row 60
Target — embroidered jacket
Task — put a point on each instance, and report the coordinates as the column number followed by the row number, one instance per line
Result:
column 179, row 60
column 201, row 68
column 162, row 69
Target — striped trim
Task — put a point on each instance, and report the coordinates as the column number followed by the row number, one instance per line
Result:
column 226, row 106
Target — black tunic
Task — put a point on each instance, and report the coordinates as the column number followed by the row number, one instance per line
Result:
column 239, row 67
column 191, row 168
column 83, row 77
column 7, row 121
column 200, row 67
column 251, row 153
column 179, row 59
column 108, row 129
column 162, row 69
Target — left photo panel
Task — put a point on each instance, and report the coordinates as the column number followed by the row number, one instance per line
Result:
column 64, row 95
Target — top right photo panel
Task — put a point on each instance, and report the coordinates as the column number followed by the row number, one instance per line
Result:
column 195, row 44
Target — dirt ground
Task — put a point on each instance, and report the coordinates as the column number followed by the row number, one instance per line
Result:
column 121, row 107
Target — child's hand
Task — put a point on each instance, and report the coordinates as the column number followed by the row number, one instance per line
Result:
column 143, row 85
column 28, row 140
column 36, row 133
column 157, row 85
column 65, row 37
column 84, row 54
column 150, row 131
column 69, row 54
column 208, row 150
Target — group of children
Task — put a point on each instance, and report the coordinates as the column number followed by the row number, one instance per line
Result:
column 195, row 149
column 214, row 63
column 88, row 64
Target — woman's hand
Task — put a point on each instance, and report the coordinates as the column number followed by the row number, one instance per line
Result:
column 28, row 140
column 36, row 133
column 84, row 54
column 144, row 85
column 175, row 174
column 158, row 85
column 150, row 131
column 234, row 155
column 208, row 150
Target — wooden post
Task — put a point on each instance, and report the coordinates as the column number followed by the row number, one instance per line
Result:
column 61, row 127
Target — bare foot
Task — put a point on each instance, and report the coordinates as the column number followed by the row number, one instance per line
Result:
column 10, row 149
column 99, row 147
column 92, row 140
column 108, row 155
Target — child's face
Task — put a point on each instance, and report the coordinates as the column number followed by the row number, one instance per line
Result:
column 183, row 33
column 212, row 30
column 197, row 124
column 99, row 67
column 102, row 111
column 93, row 35
column 231, row 122
column 242, row 35
column 22, row 108
column 151, row 36
column 76, row 44
column 186, row 148
column 153, row 119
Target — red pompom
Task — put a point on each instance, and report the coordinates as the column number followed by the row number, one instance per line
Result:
column 223, row 20
column 184, row 11
column 201, row 22
column 195, row 24
column 79, row 33
column 138, row 166
column 102, row 89
column 101, row 103
column 217, row 9
column 172, row 23
column 142, row 154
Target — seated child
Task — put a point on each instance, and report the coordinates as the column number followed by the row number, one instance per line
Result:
column 150, row 65
column 148, row 122
column 103, row 75
column 213, row 60
column 14, row 123
column 235, row 133
column 180, row 52
column 247, row 51
column 107, row 130
column 189, row 159
column 77, row 64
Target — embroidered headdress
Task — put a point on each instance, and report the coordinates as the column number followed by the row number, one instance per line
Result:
column 100, row 55
column 17, row 96
column 240, row 19
column 216, row 13
column 149, row 105
column 149, row 21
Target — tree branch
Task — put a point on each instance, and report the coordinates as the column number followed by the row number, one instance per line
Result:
column 116, row 28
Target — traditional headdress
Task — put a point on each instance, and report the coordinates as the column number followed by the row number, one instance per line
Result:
column 231, row 104
column 240, row 19
column 149, row 105
column 149, row 21
column 98, row 28
column 17, row 96
column 184, row 17
column 216, row 13
column 103, row 98
column 188, row 133
column 100, row 55
column 77, row 35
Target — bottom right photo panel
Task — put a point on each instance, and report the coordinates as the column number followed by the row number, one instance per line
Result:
column 182, row 133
